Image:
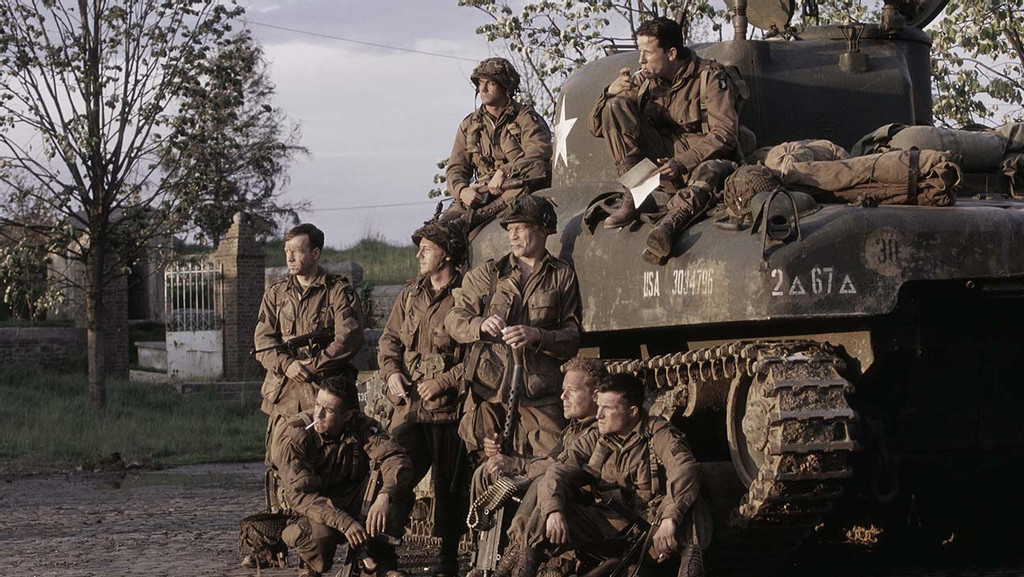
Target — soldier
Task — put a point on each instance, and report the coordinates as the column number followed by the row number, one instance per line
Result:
column 642, row 469
column 422, row 366
column 680, row 117
column 340, row 475
column 527, row 300
column 504, row 144
column 582, row 377
column 306, row 300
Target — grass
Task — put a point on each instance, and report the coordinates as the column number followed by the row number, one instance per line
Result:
column 46, row 424
column 383, row 263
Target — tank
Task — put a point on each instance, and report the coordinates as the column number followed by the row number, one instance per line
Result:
column 847, row 368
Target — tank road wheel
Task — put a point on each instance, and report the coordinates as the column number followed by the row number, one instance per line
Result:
column 788, row 432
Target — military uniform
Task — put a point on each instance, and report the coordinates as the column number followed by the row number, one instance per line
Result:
column 650, row 470
column 415, row 343
column 664, row 120
column 288, row 310
column 324, row 480
column 518, row 142
column 549, row 300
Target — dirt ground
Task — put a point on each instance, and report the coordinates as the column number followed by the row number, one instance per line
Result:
column 184, row 521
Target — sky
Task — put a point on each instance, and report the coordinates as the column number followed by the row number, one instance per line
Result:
column 376, row 121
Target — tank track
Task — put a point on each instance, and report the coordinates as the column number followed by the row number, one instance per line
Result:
column 796, row 424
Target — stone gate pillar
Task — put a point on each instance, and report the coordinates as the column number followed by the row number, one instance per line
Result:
column 242, row 260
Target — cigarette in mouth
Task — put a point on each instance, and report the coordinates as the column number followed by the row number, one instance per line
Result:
column 310, row 426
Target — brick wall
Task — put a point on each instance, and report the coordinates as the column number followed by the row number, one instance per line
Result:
column 242, row 261
column 43, row 348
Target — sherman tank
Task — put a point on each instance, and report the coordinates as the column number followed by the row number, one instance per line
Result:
column 837, row 367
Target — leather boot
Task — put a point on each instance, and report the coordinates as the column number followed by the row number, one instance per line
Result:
column 529, row 562
column 625, row 214
column 691, row 562
column 509, row 560
column 659, row 241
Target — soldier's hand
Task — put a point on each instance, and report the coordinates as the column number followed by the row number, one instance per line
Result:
column 670, row 168
column 297, row 371
column 470, row 195
column 492, row 446
column 496, row 181
column 556, row 529
column 356, row 534
column 622, row 82
column 499, row 463
column 429, row 389
column 665, row 540
column 397, row 384
column 377, row 516
column 493, row 326
column 520, row 336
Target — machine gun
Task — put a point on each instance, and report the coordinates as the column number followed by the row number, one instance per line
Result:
column 490, row 540
column 318, row 337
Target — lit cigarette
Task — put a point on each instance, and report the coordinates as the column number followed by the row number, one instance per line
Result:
column 310, row 426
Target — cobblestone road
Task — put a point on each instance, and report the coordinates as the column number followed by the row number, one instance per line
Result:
column 184, row 521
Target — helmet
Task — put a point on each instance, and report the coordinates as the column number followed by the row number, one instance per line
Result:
column 533, row 209
column 742, row 185
column 498, row 70
column 448, row 235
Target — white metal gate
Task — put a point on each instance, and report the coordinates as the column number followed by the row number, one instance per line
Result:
column 193, row 307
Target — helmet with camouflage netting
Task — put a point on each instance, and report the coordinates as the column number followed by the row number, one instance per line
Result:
column 742, row 185
column 533, row 209
column 499, row 70
column 448, row 235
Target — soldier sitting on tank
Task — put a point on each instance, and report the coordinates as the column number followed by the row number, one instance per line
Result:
column 683, row 117
column 325, row 460
column 581, row 378
column 632, row 470
column 504, row 144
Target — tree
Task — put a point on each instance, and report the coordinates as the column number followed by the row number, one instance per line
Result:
column 232, row 147
column 977, row 55
column 978, row 62
column 548, row 40
column 88, row 98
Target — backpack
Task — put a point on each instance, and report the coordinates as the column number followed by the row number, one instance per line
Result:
column 741, row 92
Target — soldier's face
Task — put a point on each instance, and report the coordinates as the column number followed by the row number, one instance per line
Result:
column 328, row 417
column 577, row 396
column 654, row 61
column 526, row 240
column 431, row 257
column 491, row 93
column 300, row 257
column 614, row 416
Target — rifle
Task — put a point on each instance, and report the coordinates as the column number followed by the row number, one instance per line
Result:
column 492, row 207
column 318, row 337
column 638, row 535
column 350, row 554
column 490, row 540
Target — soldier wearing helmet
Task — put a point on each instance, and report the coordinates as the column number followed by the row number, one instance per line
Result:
column 503, row 149
column 529, row 301
column 422, row 368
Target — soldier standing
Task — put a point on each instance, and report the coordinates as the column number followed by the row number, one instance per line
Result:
column 506, row 145
column 307, row 300
column 341, row 475
column 640, row 464
column 422, row 366
column 527, row 300
column 682, row 117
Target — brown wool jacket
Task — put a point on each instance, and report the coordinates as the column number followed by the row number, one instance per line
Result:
column 518, row 142
column 550, row 301
column 675, row 109
column 287, row 311
column 322, row 478
column 416, row 325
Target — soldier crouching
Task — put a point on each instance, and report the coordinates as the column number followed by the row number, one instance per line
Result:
column 344, row 480
column 644, row 490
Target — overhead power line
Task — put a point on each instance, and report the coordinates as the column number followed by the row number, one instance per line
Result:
column 369, row 206
column 374, row 44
